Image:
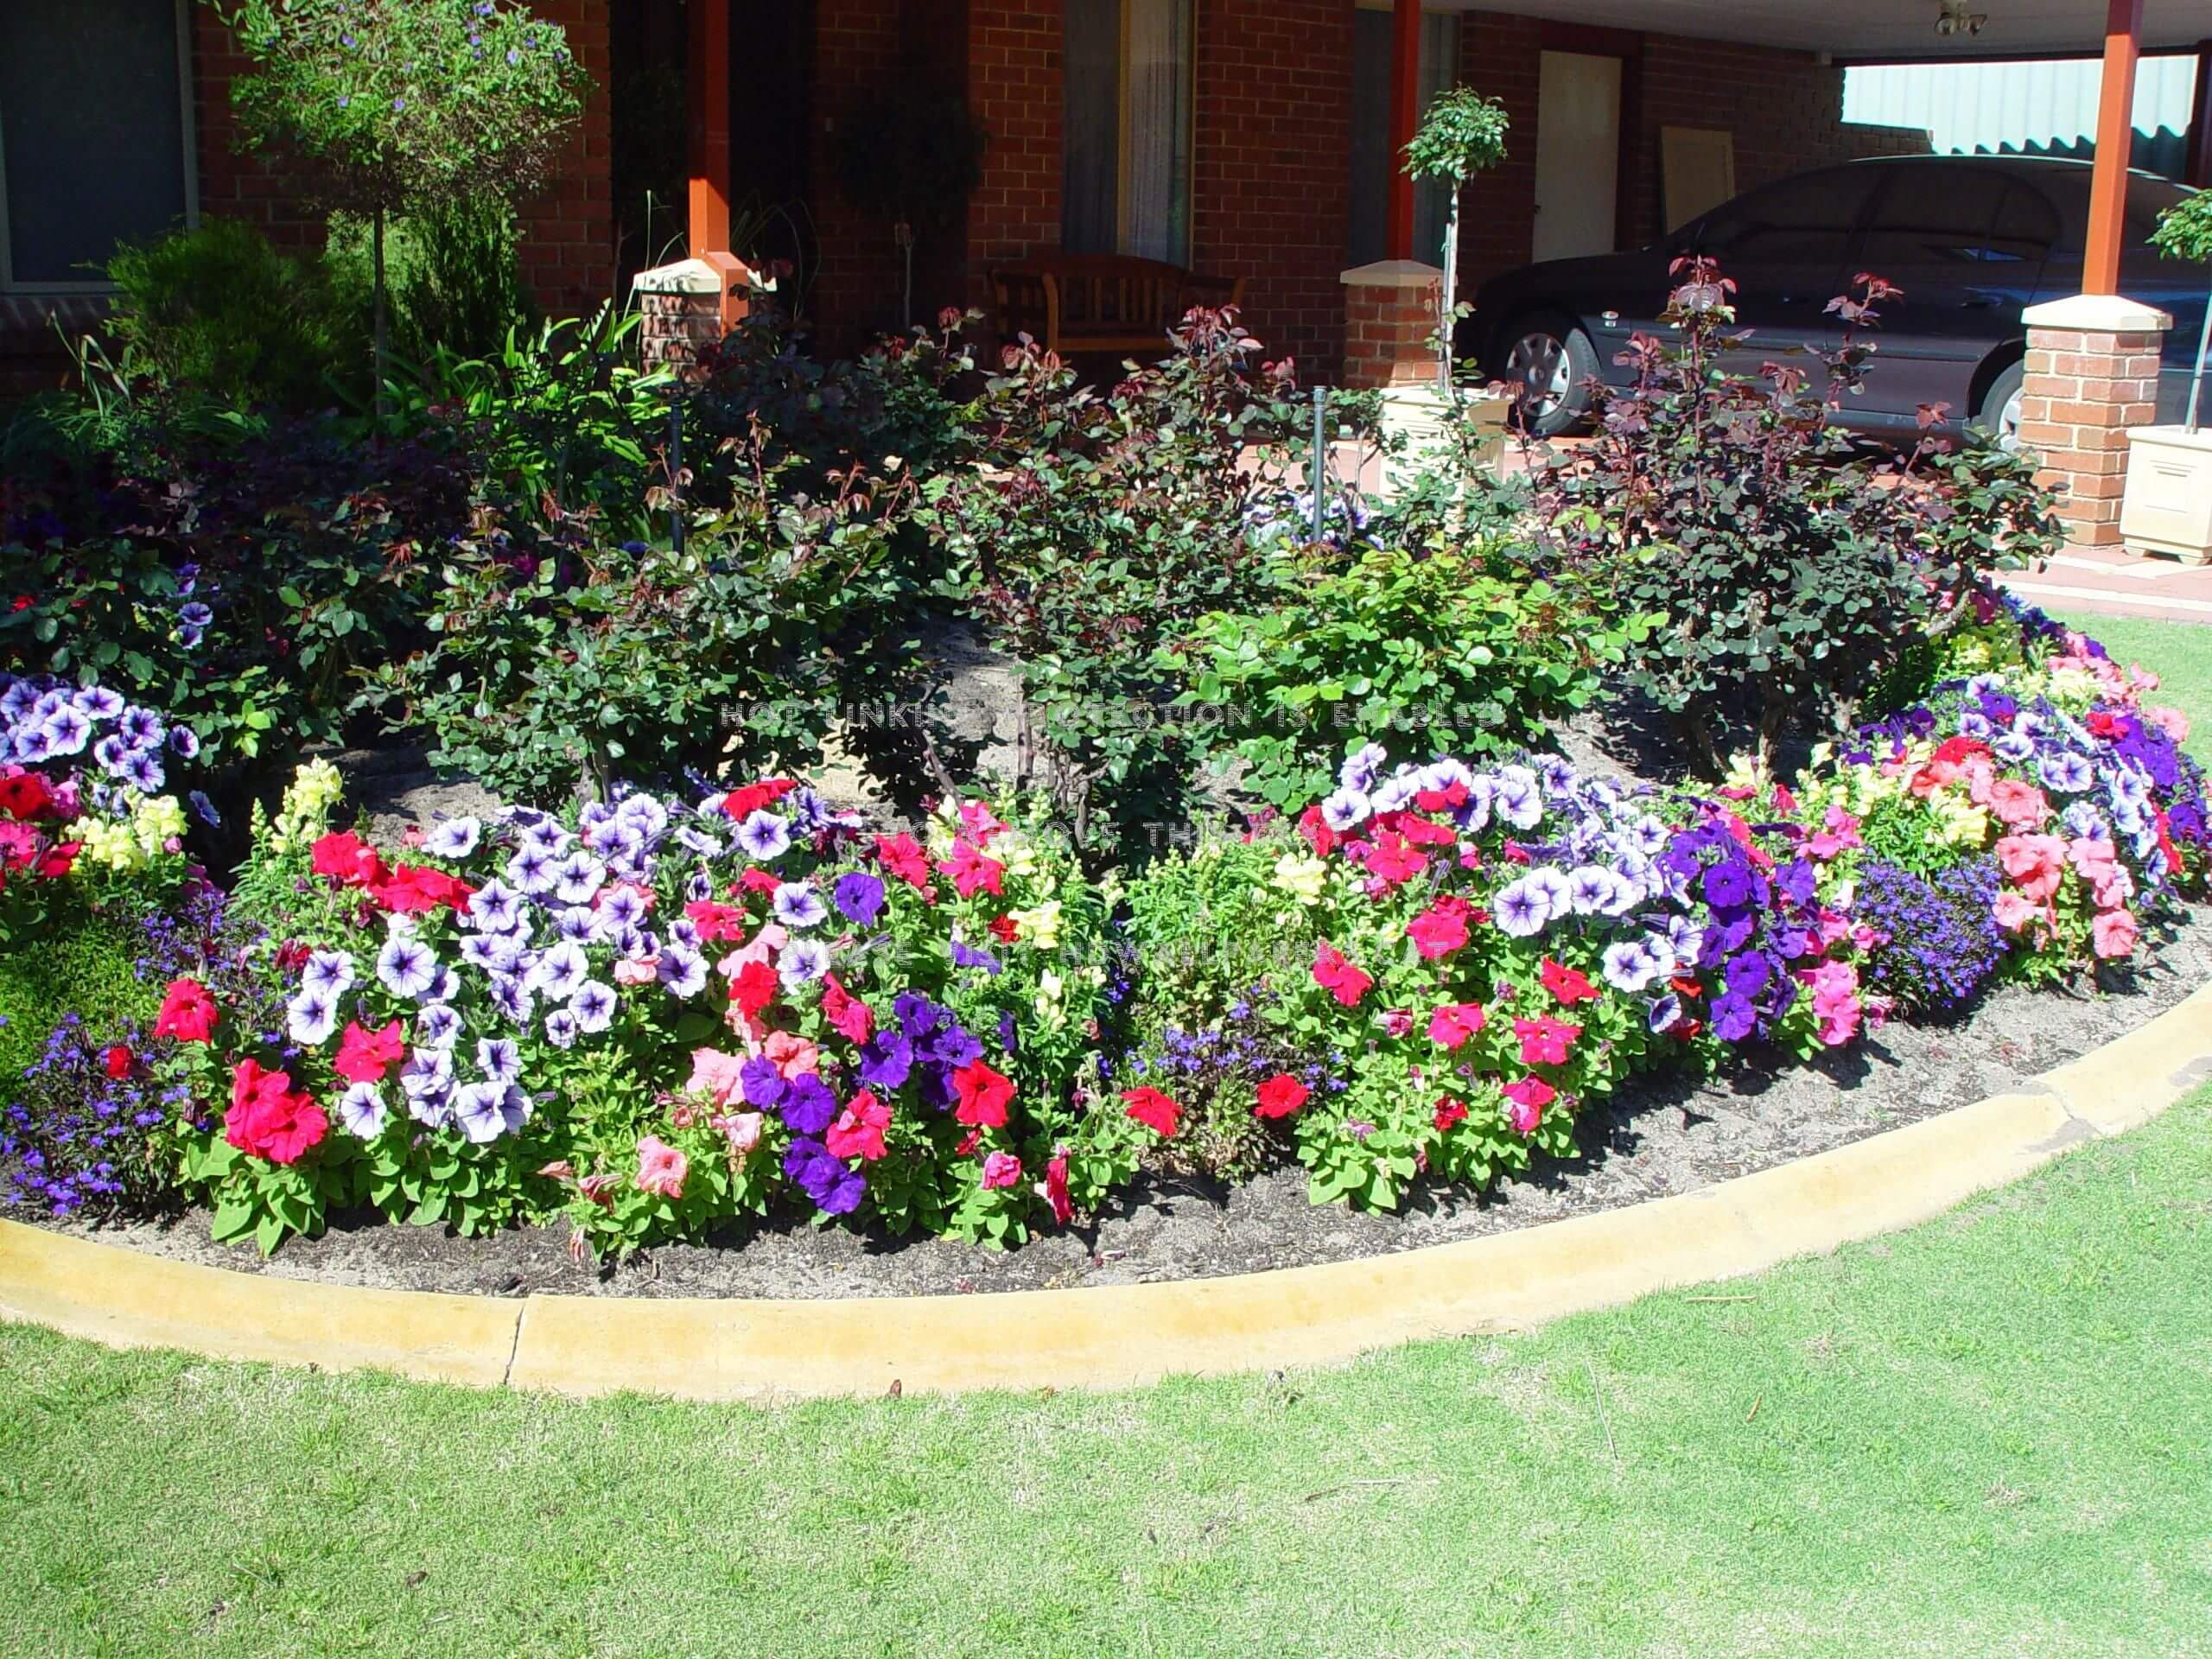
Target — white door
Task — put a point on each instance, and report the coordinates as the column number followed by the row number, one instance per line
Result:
column 1578, row 154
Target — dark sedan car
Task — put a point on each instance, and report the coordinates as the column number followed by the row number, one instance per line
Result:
column 1971, row 240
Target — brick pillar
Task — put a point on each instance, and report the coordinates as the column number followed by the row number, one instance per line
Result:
column 688, row 305
column 2092, row 373
column 1390, row 323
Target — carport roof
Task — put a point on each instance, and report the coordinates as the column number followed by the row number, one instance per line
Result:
column 1877, row 29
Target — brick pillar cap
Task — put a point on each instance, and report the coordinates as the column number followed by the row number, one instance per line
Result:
column 692, row 276
column 2102, row 314
column 1391, row 273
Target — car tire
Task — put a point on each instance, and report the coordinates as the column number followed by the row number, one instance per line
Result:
column 1549, row 363
column 1998, row 413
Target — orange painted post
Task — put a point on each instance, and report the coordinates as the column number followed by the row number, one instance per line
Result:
column 1405, row 111
column 2115, row 142
column 709, row 158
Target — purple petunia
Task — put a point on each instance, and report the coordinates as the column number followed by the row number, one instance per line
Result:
column 859, row 896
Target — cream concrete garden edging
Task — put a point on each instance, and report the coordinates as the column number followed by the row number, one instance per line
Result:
column 1122, row 1335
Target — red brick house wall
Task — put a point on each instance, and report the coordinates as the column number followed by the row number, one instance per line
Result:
column 1272, row 185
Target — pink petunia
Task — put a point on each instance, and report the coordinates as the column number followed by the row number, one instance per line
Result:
column 661, row 1167
column 1545, row 1041
column 1453, row 1023
column 2114, row 934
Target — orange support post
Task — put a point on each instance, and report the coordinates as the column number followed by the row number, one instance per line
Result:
column 707, row 99
column 2115, row 145
column 1405, row 111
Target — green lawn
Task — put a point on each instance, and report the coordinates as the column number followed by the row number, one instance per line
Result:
column 2180, row 653
column 1988, row 1436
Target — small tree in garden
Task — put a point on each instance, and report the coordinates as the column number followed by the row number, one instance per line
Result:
column 2184, row 232
column 1462, row 134
column 389, row 105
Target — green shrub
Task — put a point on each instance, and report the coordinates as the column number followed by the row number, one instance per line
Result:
column 455, row 276
column 219, row 311
column 1790, row 573
column 1432, row 646
column 1096, row 530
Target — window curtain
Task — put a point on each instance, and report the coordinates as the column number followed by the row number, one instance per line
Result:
column 1155, row 217
column 1092, row 127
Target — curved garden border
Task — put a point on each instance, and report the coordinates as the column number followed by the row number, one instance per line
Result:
column 1118, row 1335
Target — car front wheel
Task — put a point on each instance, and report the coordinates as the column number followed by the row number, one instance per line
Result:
column 2000, row 413
column 1549, row 364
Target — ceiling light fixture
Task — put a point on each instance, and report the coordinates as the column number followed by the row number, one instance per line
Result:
column 1952, row 17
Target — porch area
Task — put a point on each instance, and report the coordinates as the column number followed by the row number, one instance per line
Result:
column 1251, row 144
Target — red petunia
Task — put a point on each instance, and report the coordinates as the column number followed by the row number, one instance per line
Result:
column 1453, row 1023
column 852, row 1019
column 1056, row 1189
column 268, row 1119
column 972, row 872
column 365, row 1056
column 1441, row 928
column 1280, row 1095
column 1448, row 1112
column 716, row 921
column 59, row 859
column 748, row 798
column 1545, row 1041
column 1394, row 861
column 1334, row 973
column 903, row 856
column 983, row 1095
column 188, row 1013
column 1322, row 839
column 24, row 796
column 1442, row 800
column 753, row 987
column 1569, row 985
column 858, row 1132
column 753, row 879
column 416, row 890
column 1420, row 832
column 1153, row 1109
column 1005, row 930
column 118, row 1062
column 1525, row 1103
column 345, row 859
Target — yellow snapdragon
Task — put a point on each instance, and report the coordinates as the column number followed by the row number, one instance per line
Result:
column 305, row 814
column 155, row 822
column 108, row 845
column 1039, row 925
column 1302, row 878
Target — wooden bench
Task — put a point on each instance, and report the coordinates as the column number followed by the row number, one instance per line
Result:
column 1071, row 303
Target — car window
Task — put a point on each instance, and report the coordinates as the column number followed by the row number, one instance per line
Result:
column 1934, row 215
column 2026, row 224
column 1809, row 219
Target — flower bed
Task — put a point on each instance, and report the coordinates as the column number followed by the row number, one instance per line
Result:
column 657, row 1015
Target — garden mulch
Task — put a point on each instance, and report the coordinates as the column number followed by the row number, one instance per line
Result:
column 1659, row 1136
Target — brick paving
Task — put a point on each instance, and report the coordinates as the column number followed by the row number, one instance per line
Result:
column 2111, row 582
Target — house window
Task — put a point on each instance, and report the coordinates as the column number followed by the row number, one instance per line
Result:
column 1125, row 168
column 1373, row 166
column 95, row 136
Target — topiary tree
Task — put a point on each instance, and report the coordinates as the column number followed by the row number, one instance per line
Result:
column 389, row 105
column 2184, row 232
column 1462, row 134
